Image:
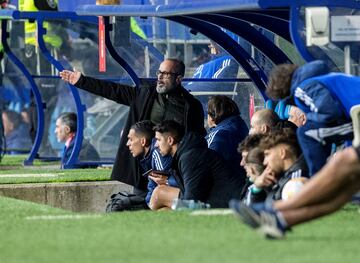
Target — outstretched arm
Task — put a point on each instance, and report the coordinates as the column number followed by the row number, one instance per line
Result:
column 122, row 94
column 70, row 76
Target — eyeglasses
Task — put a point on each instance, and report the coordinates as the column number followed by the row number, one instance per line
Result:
column 166, row 74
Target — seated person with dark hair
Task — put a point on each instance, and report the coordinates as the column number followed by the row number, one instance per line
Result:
column 66, row 127
column 283, row 161
column 202, row 174
column 16, row 132
column 249, row 143
column 141, row 143
column 228, row 129
column 254, row 168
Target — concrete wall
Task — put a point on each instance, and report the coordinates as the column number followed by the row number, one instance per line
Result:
column 76, row 196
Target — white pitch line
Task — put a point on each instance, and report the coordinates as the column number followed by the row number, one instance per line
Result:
column 28, row 175
column 212, row 212
column 62, row 217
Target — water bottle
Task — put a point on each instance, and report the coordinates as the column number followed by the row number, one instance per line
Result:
column 180, row 204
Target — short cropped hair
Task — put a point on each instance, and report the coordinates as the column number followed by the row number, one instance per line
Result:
column 179, row 66
column 173, row 128
column 69, row 119
column 221, row 107
column 285, row 136
column 146, row 129
column 267, row 117
column 250, row 142
column 280, row 81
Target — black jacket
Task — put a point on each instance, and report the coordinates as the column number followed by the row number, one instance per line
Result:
column 298, row 169
column 140, row 100
column 203, row 175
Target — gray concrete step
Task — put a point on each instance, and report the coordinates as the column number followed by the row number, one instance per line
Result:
column 74, row 196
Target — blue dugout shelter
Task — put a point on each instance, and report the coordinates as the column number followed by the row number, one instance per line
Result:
column 256, row 34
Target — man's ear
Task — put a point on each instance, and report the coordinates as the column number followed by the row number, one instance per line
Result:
column 170, row 140
column 67, row 129
column 265, row 129
column 143, row 141
column 283, row 152
column 179, row 78
column 303, row 118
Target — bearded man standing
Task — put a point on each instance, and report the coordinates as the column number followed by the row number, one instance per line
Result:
column 164, row 100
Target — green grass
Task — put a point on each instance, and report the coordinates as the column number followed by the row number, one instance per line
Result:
column 147, row 236
column 13, row 172
column 17, row 160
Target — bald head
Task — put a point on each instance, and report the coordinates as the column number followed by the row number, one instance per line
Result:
column 263, row 121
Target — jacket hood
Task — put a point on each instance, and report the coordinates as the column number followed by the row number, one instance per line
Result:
column 309, row 70
column 189, row 141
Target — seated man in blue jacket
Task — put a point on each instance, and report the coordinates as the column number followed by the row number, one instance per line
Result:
column 141, row 143
column 227, row 129
column 66, row 127
column 201, row 173
column 326, row 99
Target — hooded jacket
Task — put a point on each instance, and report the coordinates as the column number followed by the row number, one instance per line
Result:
column 140, row 100
column 203, row 175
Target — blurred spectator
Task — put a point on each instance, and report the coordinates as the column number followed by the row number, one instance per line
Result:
column 221, row 66
column 254, row 167
column 250, row 142
column 66, row 127
column 17, row 139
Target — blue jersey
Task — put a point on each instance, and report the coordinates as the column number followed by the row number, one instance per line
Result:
column 324, row 97
column 221, row 66
column 154, row 160
column 214, row 68
column 226, row 136
column 345, row 88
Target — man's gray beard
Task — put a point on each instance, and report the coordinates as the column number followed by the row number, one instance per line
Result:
column 163, row 89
